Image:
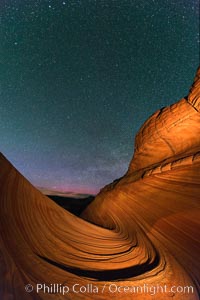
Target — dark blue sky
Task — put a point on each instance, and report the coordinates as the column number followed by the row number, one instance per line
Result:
column 78, row 79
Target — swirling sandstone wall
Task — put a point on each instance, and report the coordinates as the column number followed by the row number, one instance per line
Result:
column 141, row 230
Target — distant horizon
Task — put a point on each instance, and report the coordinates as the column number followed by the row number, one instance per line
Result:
column 70, row 194
column 56, row 191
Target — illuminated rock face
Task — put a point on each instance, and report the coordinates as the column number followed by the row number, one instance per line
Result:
column 169, row 132
column 148, row 223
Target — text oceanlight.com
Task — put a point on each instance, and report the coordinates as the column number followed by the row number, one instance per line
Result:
column 111, row 288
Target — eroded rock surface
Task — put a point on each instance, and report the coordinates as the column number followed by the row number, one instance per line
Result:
column 142, row 230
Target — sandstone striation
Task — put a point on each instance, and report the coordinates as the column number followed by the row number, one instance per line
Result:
column 140, row 231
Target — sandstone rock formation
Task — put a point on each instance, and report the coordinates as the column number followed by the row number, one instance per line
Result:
column 140, row 231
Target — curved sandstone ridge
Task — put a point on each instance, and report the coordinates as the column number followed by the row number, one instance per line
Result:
column 141, row 231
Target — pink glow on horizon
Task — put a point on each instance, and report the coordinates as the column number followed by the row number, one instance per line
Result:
column 68, row 190
column 78, row 190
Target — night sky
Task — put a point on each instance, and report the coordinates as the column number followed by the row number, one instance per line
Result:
column 79, row 77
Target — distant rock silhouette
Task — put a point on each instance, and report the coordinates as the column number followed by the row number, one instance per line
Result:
column 74, row 205
column 140, row 231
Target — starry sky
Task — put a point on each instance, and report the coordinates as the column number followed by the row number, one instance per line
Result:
column 79, row 77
